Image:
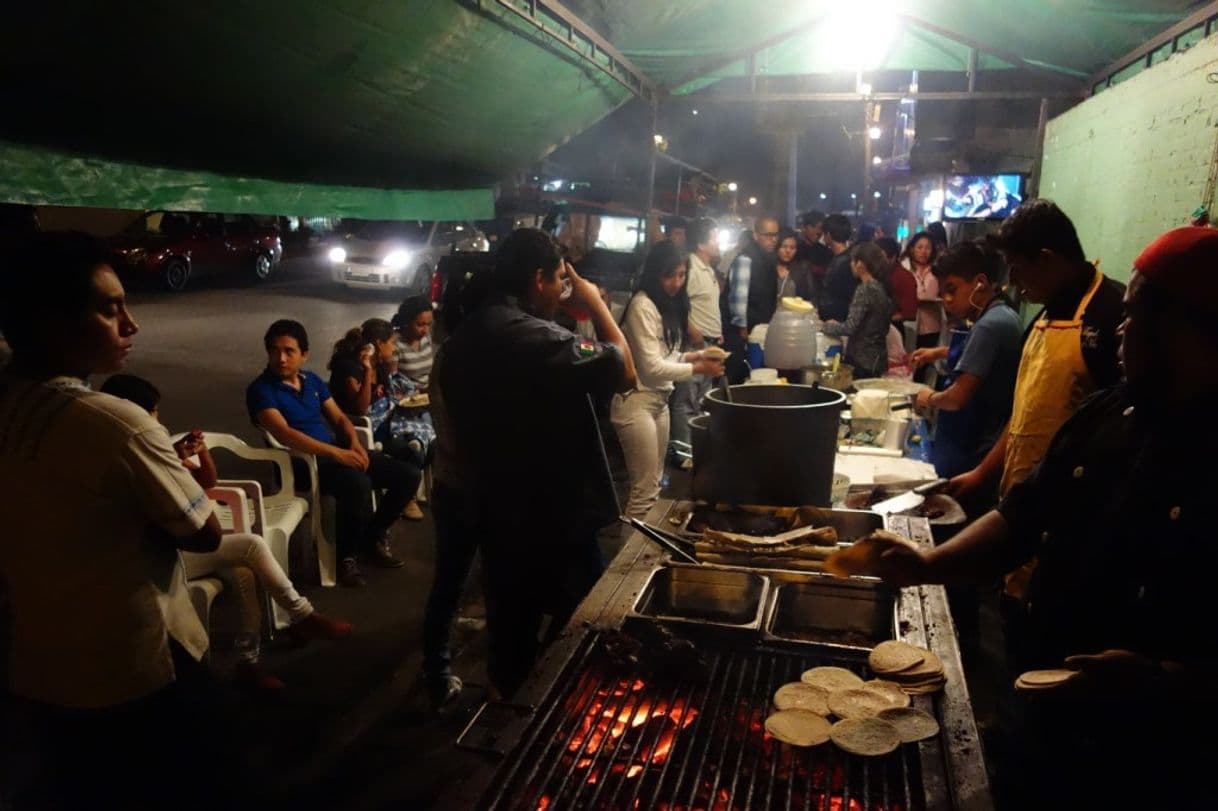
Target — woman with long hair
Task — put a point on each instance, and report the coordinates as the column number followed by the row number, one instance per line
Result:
column 866, row 325
column 794, row 275
column 413, row 322
column 918, row 258
column 364, row 381
column 655, row 324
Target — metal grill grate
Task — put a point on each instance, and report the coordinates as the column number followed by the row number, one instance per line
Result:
column 681, row 745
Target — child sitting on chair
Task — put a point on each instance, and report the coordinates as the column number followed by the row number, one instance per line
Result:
column 236, row 551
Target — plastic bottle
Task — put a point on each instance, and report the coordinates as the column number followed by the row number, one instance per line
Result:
column 790, row 341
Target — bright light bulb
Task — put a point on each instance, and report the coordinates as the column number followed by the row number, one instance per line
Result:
column 877, row 160
column 876, row 195
column 732, row 186
column 864, row 88
column 859, row 35
column 874, row 133
column 752, row 201
column 824, row 196
column 853, row 196
column 659, row 139
column 695, row 111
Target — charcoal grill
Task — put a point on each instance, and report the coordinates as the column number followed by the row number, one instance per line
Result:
column 619, row 738
column 698, row 742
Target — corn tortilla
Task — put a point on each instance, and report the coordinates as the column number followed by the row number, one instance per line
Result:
column 831, row 678
column 800, row 696
column 869, row 737
column 894, row 656
column 798, row 727
column 857, row 703
column 912, row 724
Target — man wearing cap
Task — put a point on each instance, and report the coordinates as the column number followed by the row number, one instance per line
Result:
column 1118, row 512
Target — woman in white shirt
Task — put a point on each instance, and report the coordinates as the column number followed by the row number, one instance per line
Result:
column 655, row 323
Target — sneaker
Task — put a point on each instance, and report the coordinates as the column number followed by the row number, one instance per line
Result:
column 318, row 626
column 249, row 677
column 380, row 555
column 444, row 690
column 413, row 512
column 349, row 574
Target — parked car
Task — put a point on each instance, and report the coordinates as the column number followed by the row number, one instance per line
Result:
column 171, row 247
column 398, row 255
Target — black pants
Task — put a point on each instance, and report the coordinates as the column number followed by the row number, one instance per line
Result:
column 456, row 543
column 529, row 573
column 352, row 489
column 736, row 367
column 166, row 750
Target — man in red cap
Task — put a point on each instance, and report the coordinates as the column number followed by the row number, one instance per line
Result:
column 1117, row 512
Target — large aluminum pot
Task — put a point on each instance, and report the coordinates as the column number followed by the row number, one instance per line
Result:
column 700, row 446
column 774, row 444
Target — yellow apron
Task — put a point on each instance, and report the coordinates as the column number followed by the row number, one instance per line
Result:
column 1052, row 381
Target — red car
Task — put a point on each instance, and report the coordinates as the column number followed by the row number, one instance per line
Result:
column 170, row 247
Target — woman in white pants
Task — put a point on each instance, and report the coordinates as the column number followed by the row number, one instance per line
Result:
column 655, row 324
column 242, row 560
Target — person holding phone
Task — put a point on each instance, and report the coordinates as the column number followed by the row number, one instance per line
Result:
column 237, row 549
column 520, row 394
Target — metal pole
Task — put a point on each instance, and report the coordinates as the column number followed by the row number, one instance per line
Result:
column 972, row 70
column 1034, row 181
column 792, row 175
column 651, row 169
column 866, row 157
column 676, row 206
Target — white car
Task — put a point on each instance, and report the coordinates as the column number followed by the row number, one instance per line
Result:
column 399, row 255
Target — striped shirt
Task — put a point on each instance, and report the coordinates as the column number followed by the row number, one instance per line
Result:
column 416, row 363
column 738, row 277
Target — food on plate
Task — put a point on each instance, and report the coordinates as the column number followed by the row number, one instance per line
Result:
column 831, row 678
column 861, row 557
column 800, row 696
column 801, row 548
column 869, row 737
column 1044, row 679
column 858, row 702
column 798, row 727
column 415, row 401
column 912, row 724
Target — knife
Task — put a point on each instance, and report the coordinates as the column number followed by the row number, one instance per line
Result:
column 907, row 500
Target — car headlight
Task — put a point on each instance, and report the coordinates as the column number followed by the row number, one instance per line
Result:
column 338, row 255
column 396, row 260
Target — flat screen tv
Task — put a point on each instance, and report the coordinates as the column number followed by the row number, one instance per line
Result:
column 982, row 197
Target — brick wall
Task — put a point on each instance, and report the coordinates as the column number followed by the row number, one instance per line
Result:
column 1133, row 161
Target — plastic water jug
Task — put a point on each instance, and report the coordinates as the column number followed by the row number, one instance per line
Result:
column 790, row 341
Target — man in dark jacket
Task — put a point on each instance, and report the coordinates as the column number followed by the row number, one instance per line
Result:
column 751, row 293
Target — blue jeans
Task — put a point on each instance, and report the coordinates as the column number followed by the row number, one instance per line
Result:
column 684, row 404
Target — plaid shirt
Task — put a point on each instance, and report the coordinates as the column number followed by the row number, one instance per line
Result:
column 738, row 276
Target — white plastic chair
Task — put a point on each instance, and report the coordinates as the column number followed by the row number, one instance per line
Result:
column 327, row 552
column 278, row 515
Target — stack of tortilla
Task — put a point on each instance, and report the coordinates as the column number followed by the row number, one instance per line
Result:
column 874, row 716
column 916, row 670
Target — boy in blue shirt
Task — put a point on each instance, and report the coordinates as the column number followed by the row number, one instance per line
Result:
column 295, row 407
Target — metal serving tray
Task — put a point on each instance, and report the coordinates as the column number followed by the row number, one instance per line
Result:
column 850, row 524
column 851, row 613
column 706, row 596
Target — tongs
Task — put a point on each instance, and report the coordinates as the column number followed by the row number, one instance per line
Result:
column 671, row 543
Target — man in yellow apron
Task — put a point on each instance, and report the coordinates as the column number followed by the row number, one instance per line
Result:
column 1069, row 351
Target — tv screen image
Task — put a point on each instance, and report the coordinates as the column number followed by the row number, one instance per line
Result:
column 981, row 197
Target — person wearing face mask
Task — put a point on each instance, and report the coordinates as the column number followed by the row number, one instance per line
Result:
column 973, row 399
column 655, row 324
column 1118, row 511
column 1068, row 352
